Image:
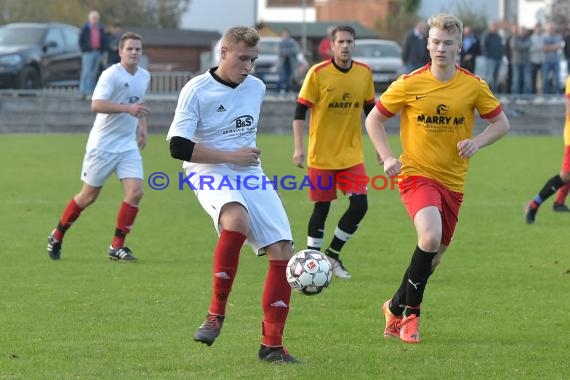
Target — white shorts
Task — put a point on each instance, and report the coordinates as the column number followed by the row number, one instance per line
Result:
column 99, row 165
column 268, row 222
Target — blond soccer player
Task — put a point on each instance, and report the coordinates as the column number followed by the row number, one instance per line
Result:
column 437, row 104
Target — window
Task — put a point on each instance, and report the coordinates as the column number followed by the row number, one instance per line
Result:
column 54, row 36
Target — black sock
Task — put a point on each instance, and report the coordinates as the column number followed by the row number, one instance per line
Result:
column 418, row 274
column 348, row 223
column 316, row 228
column 398, row 303
column 549, row 188
column 332, row 254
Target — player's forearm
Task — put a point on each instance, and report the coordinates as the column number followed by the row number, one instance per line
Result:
column 106, row 106
column 498, row 127
column 377, row 133
column 298, row 127
column 204, row 155
column 142, row 124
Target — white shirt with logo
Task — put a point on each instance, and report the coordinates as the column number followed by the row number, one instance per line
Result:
column 116, row 132
column 219, row 117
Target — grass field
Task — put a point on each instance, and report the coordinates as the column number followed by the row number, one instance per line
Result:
column 497, row 308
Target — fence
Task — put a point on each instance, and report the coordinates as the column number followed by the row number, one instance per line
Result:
column 161, row 83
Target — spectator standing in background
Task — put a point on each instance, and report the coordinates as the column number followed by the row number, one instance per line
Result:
column 324, row 49
column 522, row 69
column 92, row 45
column 287, row 61
column 536, row 56
column 113, row 36
column 551, row 45
column 470, row 49
column 493, row 50
column 415, row 53
column 567, row 47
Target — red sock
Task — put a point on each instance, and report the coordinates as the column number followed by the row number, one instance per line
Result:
column 70, row 215
column 562, row 193
column 125, row 221
column 226, row 258
column 275, row 304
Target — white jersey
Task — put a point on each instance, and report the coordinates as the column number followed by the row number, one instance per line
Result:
column 116, row 132
column 219, row 117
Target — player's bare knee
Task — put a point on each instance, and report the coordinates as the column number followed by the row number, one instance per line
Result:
column 565, row 176
column 429, row 242
column 86, row 197
column 234, row 217
column 281, row 250
column 134, row 197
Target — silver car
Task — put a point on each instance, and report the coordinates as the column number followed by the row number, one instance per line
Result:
column 384, row 58
column 266, row 65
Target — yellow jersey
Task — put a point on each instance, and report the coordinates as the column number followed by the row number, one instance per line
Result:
column 336, row 99
column 435, row 116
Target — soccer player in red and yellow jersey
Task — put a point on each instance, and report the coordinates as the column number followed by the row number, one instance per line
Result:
column 437, row 104
column 559, row 180
column 337, row 91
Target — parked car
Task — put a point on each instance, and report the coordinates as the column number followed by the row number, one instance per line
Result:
column 35, row 55
column 384, row 58
column 266, row 66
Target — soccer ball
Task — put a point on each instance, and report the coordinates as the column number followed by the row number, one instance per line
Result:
column 309, row 272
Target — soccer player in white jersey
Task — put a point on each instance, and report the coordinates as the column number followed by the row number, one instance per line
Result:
column 214, row 132
column 119, row 131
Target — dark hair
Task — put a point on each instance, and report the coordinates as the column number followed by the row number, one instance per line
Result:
column 129, row 36
column 343, row 28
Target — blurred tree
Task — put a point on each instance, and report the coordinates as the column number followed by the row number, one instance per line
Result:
column 149, row 13
column 475, row 18
column 400, row 19
column 411, row 6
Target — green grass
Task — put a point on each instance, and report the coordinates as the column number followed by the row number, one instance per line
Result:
column 497, row 308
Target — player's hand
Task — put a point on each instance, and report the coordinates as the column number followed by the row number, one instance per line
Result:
column 392, row 166
column 247, row 156
column 138, row 110
column 299, row 158
column 467, row 148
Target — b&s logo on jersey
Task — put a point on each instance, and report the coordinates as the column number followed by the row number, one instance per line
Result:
column 242, row 121
column 440, row 122
column 241, row 125
column 133, row 99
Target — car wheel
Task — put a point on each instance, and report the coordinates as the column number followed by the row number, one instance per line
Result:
column 29, row 78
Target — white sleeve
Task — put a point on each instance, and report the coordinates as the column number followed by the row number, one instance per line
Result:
column 104, row 88
column 186, row 116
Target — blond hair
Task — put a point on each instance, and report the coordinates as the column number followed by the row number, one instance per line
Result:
column 447, row 22
column 237, row 34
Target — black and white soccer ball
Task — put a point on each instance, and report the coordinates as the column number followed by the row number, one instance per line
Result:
column 309, row 272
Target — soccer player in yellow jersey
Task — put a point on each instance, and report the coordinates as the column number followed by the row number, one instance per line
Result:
column 559, row 181
column 337, row 91
column 437, row 104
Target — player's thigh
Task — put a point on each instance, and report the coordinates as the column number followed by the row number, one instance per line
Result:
column 268, row 220
column 213, row 202
column 97, row 167
column 130, row 165
column 418, row 193
column 322, row 185
column 450, row 214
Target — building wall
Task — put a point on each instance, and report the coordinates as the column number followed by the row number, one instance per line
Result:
column 174, row 58
column 367, row 12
